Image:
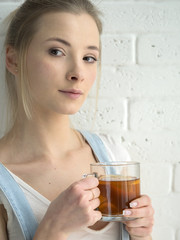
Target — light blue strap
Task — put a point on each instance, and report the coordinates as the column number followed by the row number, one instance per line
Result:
column 19, row 203
column 97, row 146
column 124, row 235
column 100, row 151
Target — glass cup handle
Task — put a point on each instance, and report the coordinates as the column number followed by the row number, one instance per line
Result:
column 89, row 175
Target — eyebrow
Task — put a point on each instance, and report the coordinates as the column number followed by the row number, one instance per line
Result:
column 68, row 44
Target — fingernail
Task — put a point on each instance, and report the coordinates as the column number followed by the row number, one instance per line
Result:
column 133, row 204
column 127, row 212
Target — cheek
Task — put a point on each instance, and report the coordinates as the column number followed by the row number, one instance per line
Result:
column 42, row 77
column 40, row 72
column 92, row 78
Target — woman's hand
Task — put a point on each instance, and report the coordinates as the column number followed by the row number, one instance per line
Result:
column 141, row 228
column 72, row 209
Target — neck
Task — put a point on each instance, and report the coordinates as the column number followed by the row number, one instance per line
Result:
column 48, row 137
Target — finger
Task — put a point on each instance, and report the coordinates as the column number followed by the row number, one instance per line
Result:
column 95, row 203
column 143, row 201
column 140, row 222
column 87, row 183
column 93, row 193
column 139, row 212
column 96, row 217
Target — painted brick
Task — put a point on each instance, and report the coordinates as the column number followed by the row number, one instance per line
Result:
column 2, row 55
column 118, row 49
column 155, row 114
column 153, row 147
column 167, row 210
column 160, row 49
column 109, row 117
column 164, row 233
column 177, row 178
column 11, row 1
column 139, row 81
column 178, row 235
column 141, row 16
column 156, row 179
column 152, row 1
column 6, row 7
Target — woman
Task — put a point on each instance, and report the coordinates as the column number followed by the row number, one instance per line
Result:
column 52, row 56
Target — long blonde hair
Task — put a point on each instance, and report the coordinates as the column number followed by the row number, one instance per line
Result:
column 22, row 27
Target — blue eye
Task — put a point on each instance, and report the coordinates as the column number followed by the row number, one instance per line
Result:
column 56, row 52
column 90, row 59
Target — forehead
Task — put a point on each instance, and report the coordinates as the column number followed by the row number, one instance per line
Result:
column 72, row 27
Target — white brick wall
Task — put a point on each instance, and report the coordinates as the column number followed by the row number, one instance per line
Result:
column 139, row 98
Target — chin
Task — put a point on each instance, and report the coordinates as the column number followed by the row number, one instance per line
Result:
column 67, row 109
column 70, row 111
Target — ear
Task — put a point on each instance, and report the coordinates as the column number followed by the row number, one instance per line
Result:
column 11, row 60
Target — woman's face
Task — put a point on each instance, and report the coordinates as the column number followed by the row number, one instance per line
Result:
column 62, row 61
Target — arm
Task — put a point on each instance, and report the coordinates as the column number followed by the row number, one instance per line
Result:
column 72, row 209
column 3, row 223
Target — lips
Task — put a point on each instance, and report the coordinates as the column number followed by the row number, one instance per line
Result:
column 75, row 91
column 72, row 93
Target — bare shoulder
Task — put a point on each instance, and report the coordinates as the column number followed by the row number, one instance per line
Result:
column 3, row 223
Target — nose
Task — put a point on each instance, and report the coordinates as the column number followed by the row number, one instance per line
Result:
column 75, row 73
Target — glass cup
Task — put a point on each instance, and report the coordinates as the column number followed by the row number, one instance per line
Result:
column 119, row 184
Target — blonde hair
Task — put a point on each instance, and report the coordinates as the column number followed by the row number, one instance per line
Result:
column 22, row 27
